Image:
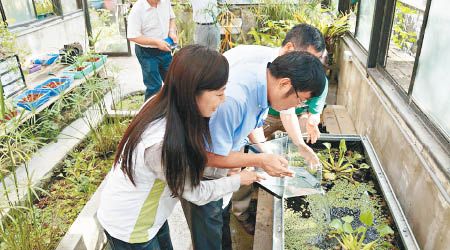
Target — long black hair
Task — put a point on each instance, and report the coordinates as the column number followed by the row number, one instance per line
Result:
column 194, row 69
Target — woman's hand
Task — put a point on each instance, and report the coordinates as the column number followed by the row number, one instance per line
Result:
column 248, row 177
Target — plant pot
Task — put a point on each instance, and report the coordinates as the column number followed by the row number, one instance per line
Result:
column 9, row 115
column 97, row 61
column 54, row 86
column 403, row 237
column 32, row 99
column 80, row 73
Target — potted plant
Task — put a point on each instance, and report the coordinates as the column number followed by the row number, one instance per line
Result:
column 78, row 70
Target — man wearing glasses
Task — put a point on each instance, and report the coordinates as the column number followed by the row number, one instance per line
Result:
column 285, row 83
column 304, row 117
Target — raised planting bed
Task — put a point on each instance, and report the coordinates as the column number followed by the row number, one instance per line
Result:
column 32, row 99
column 355, row 208
column 54, row 85
column 96, row 61
column 51, row 209
column 78, row 71
column 133, row 101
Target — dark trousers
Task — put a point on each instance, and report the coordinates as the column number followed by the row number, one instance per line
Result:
column 161, row 241
column 154, row 64
column 209, row 225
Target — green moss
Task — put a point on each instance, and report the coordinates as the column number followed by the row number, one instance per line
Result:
column 298, row 231
column 302, row 233
column 133, row 102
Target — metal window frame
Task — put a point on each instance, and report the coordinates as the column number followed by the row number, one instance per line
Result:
column 419, row 48
column 59, row 13
column 377, row 54
column 375, row 35
column 89, row 30
column 2, row 11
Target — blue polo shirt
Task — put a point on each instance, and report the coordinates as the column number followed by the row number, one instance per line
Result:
column 245, row 108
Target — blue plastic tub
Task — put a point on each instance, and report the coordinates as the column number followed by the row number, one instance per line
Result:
column 66, row 76
column 65, row 83
column 32, row 105
column 51, row 59
column 99, row 63
column 78, row 74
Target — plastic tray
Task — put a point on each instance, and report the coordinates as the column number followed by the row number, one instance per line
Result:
column 50, row 60
column 98, row 63
column 54, row 91
column 78, row 74
column 32, row 105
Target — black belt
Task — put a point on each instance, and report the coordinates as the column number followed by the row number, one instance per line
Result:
column 204, row 23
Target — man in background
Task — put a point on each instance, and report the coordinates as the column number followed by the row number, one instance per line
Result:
column 149, row 23
column 206, row 31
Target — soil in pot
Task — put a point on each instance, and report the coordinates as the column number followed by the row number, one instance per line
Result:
column 31, row 97
column 52, row 84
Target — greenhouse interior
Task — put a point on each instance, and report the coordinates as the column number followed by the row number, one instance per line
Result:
column 308, row 125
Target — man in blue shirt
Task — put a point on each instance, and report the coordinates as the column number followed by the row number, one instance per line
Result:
column 288, row 82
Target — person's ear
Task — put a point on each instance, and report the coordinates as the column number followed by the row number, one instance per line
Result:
column 284, row 84
column 289, row 47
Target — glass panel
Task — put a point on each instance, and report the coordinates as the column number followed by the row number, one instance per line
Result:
column 403, row 44
column 44, row 8
column 108, row 23
column 10, row 76
column 18, row 11
column 334, row 6
column 353, row 15
column 432, row 87
column 69, row 6
column 303, row 183
column 366, row 10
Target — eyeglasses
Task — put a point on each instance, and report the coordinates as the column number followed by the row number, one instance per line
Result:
column 301, row 104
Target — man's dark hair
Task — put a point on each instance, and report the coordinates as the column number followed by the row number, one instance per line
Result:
column 305, row 35
column 303, row 69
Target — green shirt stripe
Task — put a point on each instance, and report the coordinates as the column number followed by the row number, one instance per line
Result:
column 148, row 213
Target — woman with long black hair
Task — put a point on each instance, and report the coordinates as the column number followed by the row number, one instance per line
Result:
column 162, row 154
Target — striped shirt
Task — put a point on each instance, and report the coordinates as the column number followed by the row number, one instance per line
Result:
column 134, row 214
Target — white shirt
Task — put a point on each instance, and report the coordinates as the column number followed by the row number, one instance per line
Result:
column 205, row 11
column 148, row 21
column 251, row 54
column 134, row 214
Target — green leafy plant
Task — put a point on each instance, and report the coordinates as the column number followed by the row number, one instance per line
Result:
column 401, row 37
column 353, row 239
column 339, row 165
column 331, row 26
column 272, row 34
column 44, row 7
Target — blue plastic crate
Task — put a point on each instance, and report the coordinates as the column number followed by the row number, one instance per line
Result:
column 32, row 105
column 98, row 63
column 78, row 74
column 51, row 58
column 55, row 91
column 66, row 76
